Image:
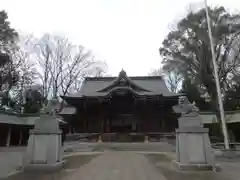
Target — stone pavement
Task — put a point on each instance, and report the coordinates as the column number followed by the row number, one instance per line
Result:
column 10, row 159
column 231, row 169
column 118, row 166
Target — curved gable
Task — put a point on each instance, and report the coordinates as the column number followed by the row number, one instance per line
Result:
column 123, row 81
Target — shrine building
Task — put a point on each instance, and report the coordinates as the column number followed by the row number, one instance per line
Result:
column 114, row 109
column 121, row 105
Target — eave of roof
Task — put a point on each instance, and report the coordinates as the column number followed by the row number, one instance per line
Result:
column 107, row 94
column 17, row 119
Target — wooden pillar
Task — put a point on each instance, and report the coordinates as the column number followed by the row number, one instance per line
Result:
column 20, row 138
column 107, row 125
column 163, row 125
column 70, row 130
column 8, row 141
column 101, row 130
column 84, row 125
column 102, row 125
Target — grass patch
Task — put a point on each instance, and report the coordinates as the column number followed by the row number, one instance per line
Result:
column 164, row 165
column 74, row 162
column 172, row 174
column 158, row 158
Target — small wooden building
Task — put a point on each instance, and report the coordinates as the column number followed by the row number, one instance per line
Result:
column 121, row 105
column 14, row 127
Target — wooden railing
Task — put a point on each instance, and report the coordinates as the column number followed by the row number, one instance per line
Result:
column 122, row 137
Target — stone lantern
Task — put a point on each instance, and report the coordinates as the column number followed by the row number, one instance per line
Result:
column 44, row 144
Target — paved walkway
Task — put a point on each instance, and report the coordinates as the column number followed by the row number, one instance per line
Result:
column 118, row 166
column 10, row 159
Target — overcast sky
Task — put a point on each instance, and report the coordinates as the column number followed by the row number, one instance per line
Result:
column 125, row 33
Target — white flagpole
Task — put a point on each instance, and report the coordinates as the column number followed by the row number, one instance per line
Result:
column 222, row 116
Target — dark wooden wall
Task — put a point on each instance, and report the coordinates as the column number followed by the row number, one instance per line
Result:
column 162, row 120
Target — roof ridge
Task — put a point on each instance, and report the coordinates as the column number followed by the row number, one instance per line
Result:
column 131, row 77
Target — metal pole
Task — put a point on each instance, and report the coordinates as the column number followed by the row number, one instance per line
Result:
column 222, row 116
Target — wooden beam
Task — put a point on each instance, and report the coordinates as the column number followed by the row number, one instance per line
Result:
column 20, row 138
column 8, row 140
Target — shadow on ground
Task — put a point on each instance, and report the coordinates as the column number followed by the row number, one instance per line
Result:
column 164, row 164
column 73, row 164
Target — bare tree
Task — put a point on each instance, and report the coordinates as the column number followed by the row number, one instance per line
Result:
column 24, row 67
column 62, row 65
column 172, row 78
column 156, row 72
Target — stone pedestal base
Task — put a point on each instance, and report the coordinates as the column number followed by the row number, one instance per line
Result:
column 146, row 139
column 193, row 146
column 44, row 167
column 196, row 167
column 99, row 139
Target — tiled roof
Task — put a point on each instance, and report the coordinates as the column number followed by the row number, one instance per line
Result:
column 148, row 85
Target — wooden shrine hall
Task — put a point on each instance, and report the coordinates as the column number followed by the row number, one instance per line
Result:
column 121, row 106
